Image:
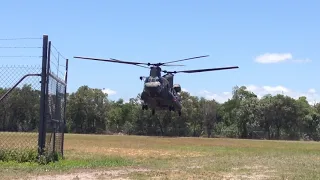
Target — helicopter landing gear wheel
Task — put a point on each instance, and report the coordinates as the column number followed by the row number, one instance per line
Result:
column 153, row 111
column 179, row 113
column 144, row 107
column 171, row 108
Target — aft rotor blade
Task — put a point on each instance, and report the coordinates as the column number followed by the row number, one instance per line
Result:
column 113, row 60
column 204, row 70
column 185, row 59
column 142, row 66
column 173, row 65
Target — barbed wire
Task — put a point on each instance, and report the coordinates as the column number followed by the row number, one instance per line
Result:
column 27, row 49
column 24, row 38
column 56, row 62
column 59, row 54
column 56, row 65
column 19, row 56
column 2, row 66
column 55, row 57
column 17, row 47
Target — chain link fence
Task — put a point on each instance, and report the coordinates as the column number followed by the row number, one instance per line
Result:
column 56, row 100
column 19, row 109
column 32, row 99
column 19, row 96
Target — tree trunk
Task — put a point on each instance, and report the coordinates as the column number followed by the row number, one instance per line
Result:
column 278, row 132
column 161, row 128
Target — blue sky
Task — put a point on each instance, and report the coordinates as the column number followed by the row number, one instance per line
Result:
column 231, row 32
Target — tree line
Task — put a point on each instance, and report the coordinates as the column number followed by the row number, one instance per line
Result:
column 244, row 115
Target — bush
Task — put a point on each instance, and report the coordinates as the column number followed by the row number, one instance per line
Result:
column 221, row 130
column 128, row 128
column 28, row 155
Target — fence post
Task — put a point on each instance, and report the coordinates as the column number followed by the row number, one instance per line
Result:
column 42, row 121
column 64, row 108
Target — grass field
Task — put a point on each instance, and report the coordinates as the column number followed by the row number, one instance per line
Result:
column 138, row 157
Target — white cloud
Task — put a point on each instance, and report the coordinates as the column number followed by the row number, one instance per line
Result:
column 226, row 93
column 110, row 92
column 273, row 57
column 312, row 91
column 126, row 100
column 276, row 89
column 260, row 91
column 269, row 58
column 184, row 89
column 219, row 97
column 251, row 88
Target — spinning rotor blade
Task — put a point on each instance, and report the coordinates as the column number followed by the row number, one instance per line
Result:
column 156, row 64
column 183, row 59
column 173, row 65
column 149, row 67
column 112, row 60
column 143, row 66
column 139, row 63
column 202, row 70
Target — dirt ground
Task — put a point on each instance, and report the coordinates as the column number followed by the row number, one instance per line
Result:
column 123, row 174
column 116, row 174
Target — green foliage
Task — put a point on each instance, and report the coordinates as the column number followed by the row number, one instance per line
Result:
column 226, row 131
column 19, row 111
column 23, row 155
column 48, row 157
column 244, row 115
column 28, row 155
column 66, row 164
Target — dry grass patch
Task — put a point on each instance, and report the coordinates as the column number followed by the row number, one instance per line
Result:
column 126, row 146
column 136, row 153
column 189, row 158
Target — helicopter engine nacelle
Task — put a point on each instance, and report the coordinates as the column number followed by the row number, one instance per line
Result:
column 177, row 87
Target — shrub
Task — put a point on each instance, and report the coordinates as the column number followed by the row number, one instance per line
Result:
column 25, row 155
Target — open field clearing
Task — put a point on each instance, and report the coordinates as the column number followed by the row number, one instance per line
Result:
column 138, row 157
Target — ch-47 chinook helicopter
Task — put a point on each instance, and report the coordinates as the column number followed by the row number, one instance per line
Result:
column 159, row 92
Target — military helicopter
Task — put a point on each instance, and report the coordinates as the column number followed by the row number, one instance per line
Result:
column 159, row 92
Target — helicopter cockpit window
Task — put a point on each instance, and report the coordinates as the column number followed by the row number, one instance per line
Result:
column 152, row 79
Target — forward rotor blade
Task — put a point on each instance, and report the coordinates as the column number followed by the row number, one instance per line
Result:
column 185, row 59
column 203, row 70
column 107, row 60
column 143, row 66
column 173, row 65
column 152, row 63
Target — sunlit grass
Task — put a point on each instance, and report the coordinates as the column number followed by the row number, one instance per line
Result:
column 183, row 158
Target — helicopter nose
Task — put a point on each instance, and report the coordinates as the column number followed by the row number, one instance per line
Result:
column 152, row 84
column 153, row 87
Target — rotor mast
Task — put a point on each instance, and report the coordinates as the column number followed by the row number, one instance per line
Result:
column 155, row 71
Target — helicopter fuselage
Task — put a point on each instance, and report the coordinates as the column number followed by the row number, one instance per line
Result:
column 159, row 95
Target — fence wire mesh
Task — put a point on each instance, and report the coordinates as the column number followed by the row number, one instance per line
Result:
column 32, row 96
column 56, row 99
column 19, row 93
